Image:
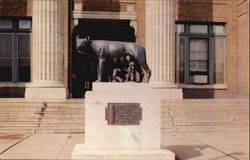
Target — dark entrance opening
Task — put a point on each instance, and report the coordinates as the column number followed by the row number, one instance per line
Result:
column 84, row 69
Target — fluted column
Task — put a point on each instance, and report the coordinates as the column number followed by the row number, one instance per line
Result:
column 47, row 49
column 160, row 43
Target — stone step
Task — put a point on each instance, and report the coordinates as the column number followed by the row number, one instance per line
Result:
column 68, row 116
column 41, row 127
column 206, row 123
column 204, row 128
column 62, row 109
column 204, row 105
column 191, row 108
column 23, row 100
column 36, row 108
column 13, row 104
column 68, row 105
column 201, row 109
column 21, row 118
column 205, row 101
column 79, row 124
column 63, row 112
column 35, row 130
column 19, row 108
column 205, row 117
column 63, row 119
column 61, row 131
column 37, row 123
column 211, row 105
column 16, row 130
column 61, row 127
column 22, row 109
column 205, row 120
column 45, row 114
column 204, row 113
column 47, row 104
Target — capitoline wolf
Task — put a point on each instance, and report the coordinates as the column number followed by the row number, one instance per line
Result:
column 107, row 50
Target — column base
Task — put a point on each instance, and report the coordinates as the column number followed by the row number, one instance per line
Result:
column 81, row 152
column 45, row 93
column 164, row 85
column 167, row 90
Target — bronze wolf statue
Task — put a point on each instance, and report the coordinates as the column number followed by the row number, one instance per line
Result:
column 102, row 50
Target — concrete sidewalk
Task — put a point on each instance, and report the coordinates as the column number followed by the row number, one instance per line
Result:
column 186, row 146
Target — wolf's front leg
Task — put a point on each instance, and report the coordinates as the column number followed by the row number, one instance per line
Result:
column 100, row 69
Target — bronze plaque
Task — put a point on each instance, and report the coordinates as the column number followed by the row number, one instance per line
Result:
column 123, row 114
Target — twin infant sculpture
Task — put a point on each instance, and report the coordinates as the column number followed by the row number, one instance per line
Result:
column 126, row 59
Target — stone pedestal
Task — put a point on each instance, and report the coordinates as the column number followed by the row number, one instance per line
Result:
column 123, row 141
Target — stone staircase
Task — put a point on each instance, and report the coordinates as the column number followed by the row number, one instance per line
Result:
column 67, row 116
column 206, row 115
column 37, row 116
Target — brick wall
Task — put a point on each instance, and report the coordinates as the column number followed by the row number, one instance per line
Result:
column 20, row 8
column 140, row 10
column 242, row 49
column 102, row 5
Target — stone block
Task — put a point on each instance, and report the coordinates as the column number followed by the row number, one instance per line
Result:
column 122, row 141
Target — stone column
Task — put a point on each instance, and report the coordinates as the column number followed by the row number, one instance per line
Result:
column 160, row 41
column 47, row 50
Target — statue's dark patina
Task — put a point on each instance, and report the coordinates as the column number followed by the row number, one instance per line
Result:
column 103, row 50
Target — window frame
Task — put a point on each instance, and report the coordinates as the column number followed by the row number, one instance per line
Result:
column 15, row 32
column 187, row 35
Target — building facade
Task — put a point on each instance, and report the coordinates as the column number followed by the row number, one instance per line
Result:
column 199, row 46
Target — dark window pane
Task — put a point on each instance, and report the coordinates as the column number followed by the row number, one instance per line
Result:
column 5, row 69
column 24, row 24
column 199, row 79
column 219, row 29
column 198, row 45
column 219, row 60
column 180, row 28
column 23, row 45
column 5, row 24
column 198, row 66
column 180, row 59
column 198, row 29
column 24, row 69
column 6, row 45
column 198, row 58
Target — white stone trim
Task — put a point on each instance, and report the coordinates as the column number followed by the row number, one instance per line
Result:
column 13, row 85
column 213, row 86
column 104, row 15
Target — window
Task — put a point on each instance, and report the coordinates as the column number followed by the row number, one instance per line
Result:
column 200, row 53
column 15, row 50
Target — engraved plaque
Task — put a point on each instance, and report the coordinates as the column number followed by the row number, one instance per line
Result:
column 123, row 114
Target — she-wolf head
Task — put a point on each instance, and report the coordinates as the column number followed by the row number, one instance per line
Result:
column 83, row 45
